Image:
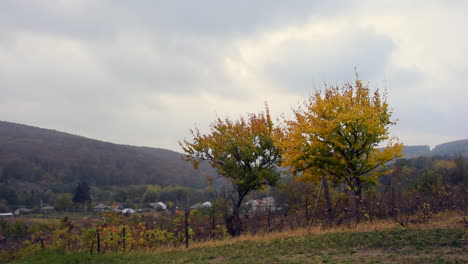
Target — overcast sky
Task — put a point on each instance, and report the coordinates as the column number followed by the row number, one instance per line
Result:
column 145, row 72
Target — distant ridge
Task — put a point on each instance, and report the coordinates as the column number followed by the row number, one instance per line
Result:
column 459, row 147
column 416, row 151
column 449, row 149
column 44, row 156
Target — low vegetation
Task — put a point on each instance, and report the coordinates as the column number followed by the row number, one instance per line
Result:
column 442, row 241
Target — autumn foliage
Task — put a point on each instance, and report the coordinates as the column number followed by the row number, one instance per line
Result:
column 243, row 151
column 337, row 132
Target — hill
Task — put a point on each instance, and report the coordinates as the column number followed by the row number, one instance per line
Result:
column 459, row 147
column 449, row 149
column 416, row 151
column 31, row 156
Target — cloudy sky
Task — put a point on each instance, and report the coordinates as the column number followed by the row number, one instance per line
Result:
column 145, row 72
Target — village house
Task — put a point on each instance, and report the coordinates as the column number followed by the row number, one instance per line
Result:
column 6, row 215
column 23, row 210
column 116, row 207
column 206, row 204
column 128, row 211
column 159, row 206
column 261, row 205
column 101, row 208
column 47, row 209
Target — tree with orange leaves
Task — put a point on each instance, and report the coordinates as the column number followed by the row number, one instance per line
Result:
column 243, row 151
column 337, row 132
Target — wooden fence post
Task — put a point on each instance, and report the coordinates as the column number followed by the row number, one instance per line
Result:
column 213, row 224
column 98, row 242
column 187, row 212
column 123, row 239
column 269, row 219
column 92, row 242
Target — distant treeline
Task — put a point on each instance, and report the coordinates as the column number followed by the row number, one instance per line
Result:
column 134, row 196
column 426, row 175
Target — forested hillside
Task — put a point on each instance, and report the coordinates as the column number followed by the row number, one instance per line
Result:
column 31, row 156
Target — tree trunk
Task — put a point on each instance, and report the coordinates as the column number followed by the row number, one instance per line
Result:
column 315, row 208
column 233, row 222
column 328, row 200
column 358, row 199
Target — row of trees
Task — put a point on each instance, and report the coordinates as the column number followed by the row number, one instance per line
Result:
column 334, row 138
column 62, row 201
column 72, row 199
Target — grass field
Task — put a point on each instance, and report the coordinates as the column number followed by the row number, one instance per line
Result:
column 431, row 244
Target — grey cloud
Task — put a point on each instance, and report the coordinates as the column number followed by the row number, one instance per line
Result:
column 187, row 36
column 421, row 117
column 182, row 67
column 214, row 17
column 103, row 19
column 402, row 78
column 306, row 65
column 84, row 20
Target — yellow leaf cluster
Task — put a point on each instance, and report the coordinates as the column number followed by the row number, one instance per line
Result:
column 336, row 132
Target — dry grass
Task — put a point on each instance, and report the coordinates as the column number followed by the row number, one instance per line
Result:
column 442, row 220
column 442, row 240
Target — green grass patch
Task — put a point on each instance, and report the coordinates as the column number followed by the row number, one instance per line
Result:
column 386, row 246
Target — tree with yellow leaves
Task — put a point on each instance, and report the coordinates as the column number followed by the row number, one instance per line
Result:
column 337, row 133
column 243, row 151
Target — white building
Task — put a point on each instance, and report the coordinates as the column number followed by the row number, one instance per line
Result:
column 158, row 206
